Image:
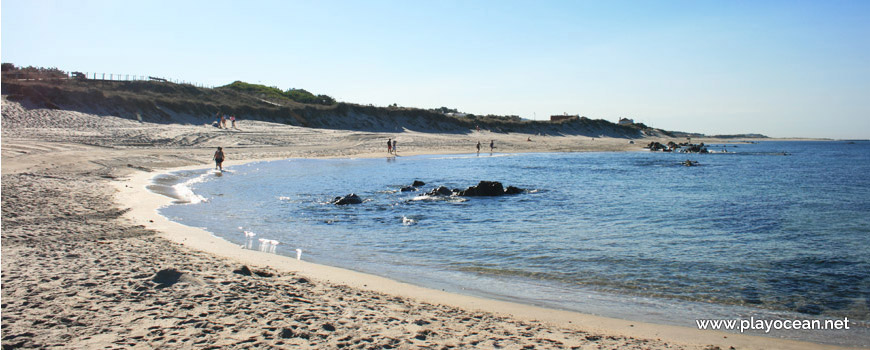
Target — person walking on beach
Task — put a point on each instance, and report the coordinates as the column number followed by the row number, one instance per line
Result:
column 395, row 150
column 223, row 121
column 478, row 147
column 233, row 121
column 218, row 117
column 219, row 159
column 491, row 145
column 390, row 146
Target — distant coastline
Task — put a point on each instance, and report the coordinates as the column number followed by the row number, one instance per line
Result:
column 163, row 101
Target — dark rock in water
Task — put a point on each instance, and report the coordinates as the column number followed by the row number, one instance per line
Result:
column 513, row 190
column 167, row 277
column 418, row 183
column 244, row 270
column 349, row 199
column 440, row 191
column 408, row 189
column 484, row 188
column 656, row 146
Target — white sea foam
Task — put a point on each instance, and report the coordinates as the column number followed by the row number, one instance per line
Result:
column 407, row 222
column 185, row 193
column 439, row 198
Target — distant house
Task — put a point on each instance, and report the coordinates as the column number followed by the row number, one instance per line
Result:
column 626, row 121
column 566, row 116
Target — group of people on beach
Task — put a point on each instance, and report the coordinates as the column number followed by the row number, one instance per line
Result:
column 491, row 146
column 391, row 146
column 222, row 120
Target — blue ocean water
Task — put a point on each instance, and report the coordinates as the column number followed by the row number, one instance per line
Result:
column 778, row 229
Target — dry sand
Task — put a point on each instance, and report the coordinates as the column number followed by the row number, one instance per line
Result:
column 82, row 247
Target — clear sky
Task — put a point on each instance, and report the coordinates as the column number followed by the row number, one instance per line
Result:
column 781, row 68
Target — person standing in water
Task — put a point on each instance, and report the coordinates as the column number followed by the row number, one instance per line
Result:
column 219, row 159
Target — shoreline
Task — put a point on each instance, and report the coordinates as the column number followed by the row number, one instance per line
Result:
column 144, row 204
column 82, row 267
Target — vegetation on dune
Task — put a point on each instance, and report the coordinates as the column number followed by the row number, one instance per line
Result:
column 273, row 93
column 30, row 72
column 167, row 102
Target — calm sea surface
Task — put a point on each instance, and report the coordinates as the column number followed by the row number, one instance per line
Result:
column 775, row 229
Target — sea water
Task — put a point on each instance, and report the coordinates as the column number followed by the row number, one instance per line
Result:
column 775, row 230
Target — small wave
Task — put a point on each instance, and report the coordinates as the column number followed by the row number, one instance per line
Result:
column 428, row 198
column 408, row 221
column 185, row 194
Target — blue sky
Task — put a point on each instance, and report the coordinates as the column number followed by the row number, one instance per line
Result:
column 781, row 68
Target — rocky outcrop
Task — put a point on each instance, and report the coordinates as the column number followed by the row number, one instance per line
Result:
column 692, row 148
column 489, row 189
column 440, row 191
column 513, row 190
column 484, row 189
column 349, row 199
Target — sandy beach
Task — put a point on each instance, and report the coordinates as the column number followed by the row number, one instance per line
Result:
column 88, row 263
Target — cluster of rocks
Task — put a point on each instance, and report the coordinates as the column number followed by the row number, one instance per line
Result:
column 672, row 146
column 414, row 186
column 483, row 189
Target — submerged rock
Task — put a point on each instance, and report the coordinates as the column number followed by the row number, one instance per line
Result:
column 440, row 191
column 418, row 183
column 484, row 189
column 513, row 190
column 489, row 189
column 408, row 189
column 349, row 199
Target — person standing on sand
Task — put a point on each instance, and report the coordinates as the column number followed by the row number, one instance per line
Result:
column 218, row 117
column 219, row 159
column 390, row 146
column 233, row 121
column 395, row 150
column 491, row 145
column 478, row 147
